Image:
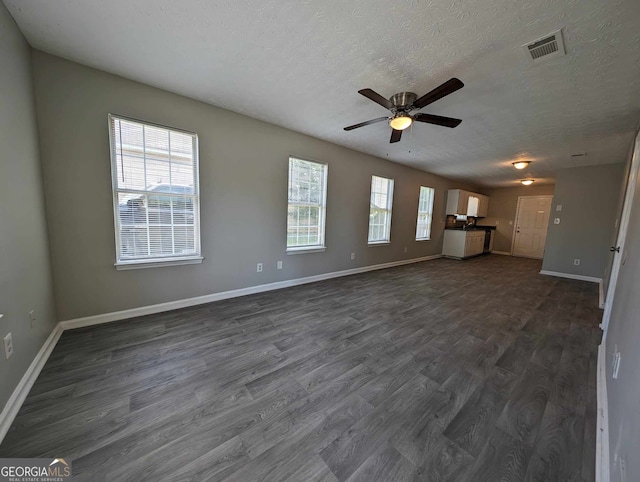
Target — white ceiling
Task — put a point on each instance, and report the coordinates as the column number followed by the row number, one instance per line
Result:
column 300, row 63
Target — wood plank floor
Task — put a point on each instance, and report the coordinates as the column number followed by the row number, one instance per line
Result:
column 481, row 370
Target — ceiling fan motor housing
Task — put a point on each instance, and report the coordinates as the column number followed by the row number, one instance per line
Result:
column 403, row 100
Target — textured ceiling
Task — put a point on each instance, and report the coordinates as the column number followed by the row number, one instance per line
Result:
column 300, row 63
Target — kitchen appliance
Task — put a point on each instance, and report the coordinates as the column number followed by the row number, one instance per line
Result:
column 487, row 241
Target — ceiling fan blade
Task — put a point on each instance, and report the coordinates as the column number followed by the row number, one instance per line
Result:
column 449, row 87
column 366, row 123
column 377, row 98
column 437, row 119
column 395, row 136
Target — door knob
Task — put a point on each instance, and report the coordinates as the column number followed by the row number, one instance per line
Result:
column 614, row 249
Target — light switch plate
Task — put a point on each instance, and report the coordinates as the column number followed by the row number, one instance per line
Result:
column 616, row 364
column 8, row 346
column 559, row 207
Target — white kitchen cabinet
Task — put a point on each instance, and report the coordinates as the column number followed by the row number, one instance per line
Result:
column 463, row 244
column 483, row 207
column 473, row 205
column 467, row 203
column 457, row 201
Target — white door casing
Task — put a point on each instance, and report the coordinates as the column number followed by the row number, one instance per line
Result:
column 619, row 256
column 532, row 223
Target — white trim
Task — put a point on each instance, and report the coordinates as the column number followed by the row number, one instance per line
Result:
column 312, row 249
column 20, row 393
column 571, row 276
column 622, row 234
column 602, row 419
column 146, row 263
column 601, row 301
column 503, row 253
column 198, row 300
column 157, row 263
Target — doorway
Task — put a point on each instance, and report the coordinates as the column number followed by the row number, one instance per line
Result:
column 532, row 223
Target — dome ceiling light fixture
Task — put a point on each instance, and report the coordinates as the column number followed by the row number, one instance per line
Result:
column 400, row 122
column 527, row 182
column 520, row 164
column 401, row 105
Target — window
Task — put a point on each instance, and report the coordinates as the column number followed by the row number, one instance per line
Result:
column 380, row 210
column 425, row 213
column 155, row 194
column 307, row 205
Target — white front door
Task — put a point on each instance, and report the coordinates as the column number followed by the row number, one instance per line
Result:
column 532, row 221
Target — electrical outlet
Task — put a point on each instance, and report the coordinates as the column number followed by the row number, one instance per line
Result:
column 497, row 222
column 259, row 268
column 576, row 262
column 353, row 255
column 32, row 318
column 279, row 265
column 559, row 207
column 510, row 223
column 556, row 221
column 405, row 249
column 8, row 346
column 617, row 358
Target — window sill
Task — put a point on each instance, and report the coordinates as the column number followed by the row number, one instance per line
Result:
column 157, row 263
column 379, row 243
column 423, row 239
column 312, row 249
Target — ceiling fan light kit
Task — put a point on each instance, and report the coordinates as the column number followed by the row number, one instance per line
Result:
column 520, row 164
column 400, row 122
column 527, row 182
column 401, row 105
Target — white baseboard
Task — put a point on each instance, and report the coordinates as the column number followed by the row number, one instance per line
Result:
column 20, row 393
column 198, row 300
column 503, row 253
column 571, row 276
column 602, row 419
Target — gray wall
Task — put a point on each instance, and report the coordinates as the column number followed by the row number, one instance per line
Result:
column 243, row 180
column 503, row 204
column 624, row 335
column 589, row 198
column 25, row 278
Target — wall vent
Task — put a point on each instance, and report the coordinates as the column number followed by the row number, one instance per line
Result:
column 546, row 47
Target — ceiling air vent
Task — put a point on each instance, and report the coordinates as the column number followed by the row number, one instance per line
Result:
column 546, row 47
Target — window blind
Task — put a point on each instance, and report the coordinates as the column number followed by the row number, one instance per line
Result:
column 155, row 191
column 425, row 213
column 307, row 200
column 380, row 210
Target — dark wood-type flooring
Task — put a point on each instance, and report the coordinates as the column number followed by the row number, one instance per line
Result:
column 480, row 370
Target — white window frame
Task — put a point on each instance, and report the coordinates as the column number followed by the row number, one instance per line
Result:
column 428, row 211
column 388, row 209
column 321, row 205
column 153, row 261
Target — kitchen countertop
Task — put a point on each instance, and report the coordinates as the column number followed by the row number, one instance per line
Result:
column 475, row 228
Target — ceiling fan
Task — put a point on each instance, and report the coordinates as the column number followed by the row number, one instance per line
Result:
column 403, row 103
